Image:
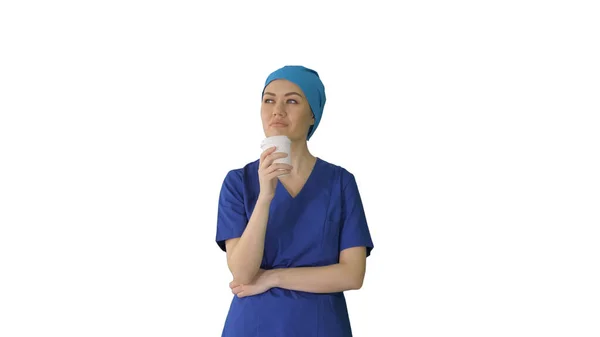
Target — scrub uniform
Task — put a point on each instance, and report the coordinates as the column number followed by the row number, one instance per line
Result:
column 307, row 230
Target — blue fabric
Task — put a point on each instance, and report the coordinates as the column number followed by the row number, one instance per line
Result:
column 308, row 230
column 310, row 83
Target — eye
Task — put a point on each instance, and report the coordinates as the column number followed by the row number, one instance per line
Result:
column 292, row 101
column 268, row 100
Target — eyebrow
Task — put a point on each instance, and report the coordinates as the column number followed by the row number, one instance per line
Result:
column 288, row 94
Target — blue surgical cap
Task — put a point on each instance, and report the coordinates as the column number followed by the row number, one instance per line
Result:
column 309, row 82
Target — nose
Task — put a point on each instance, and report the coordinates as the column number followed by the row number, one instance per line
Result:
column 279, row 109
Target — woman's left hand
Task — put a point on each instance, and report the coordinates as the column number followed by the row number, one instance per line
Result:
column 262, row 282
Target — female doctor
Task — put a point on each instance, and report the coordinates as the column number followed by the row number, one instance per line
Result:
column 295, row 236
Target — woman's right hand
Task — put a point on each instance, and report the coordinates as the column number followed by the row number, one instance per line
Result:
column 269, row 171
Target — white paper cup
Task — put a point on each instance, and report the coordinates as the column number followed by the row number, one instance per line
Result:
column 282, row 144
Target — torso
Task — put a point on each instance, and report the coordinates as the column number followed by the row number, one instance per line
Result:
column 303, row 230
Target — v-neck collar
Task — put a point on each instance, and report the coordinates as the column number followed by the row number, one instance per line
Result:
column 284, row 190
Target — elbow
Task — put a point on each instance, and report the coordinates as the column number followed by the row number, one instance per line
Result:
column 242, row 274
column 357, row 284
column 358, row 279
column 354, row 277
column 244, row 277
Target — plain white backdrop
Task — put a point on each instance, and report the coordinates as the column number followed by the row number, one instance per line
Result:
column 471, row 127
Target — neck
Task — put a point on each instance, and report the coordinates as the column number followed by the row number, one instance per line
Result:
column 302, row 159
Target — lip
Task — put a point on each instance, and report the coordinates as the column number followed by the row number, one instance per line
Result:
column 278, row 124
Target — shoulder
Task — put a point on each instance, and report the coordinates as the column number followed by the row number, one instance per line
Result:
column 240, row 175
column 342, row 173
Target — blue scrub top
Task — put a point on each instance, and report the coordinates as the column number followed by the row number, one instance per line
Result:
column 308, row 230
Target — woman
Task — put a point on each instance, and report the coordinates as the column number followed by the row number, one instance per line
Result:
column 295, row 236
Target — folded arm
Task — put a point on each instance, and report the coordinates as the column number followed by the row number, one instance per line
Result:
column 244, row 254
column 348, row 274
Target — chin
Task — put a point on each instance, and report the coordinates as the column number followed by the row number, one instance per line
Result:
column 276, row 133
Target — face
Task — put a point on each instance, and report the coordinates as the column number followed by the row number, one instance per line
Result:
column 285, row 111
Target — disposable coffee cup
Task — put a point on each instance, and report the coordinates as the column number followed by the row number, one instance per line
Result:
column 282, row 144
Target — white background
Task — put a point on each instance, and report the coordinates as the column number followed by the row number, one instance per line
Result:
column 471, row 126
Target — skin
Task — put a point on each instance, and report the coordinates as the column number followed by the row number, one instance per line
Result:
column 285, row 111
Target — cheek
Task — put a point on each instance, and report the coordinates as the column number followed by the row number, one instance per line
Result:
column 301, row 114
column 306, row 117
column 265, row 113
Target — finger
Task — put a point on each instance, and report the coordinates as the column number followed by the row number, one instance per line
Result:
column 233, row 284
column 269, row 159
column 277, row 173
column 278, row 166
column 240, row 295
column 237, row 290
column 267, row 152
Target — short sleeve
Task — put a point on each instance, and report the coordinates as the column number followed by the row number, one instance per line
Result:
column 355, row 230
column 231, row 216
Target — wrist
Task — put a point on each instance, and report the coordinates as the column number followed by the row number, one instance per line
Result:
column 273, row 278
column 264, row 200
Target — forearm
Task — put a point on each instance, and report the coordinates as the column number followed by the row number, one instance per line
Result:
column 326, row 279
column 246, row 256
